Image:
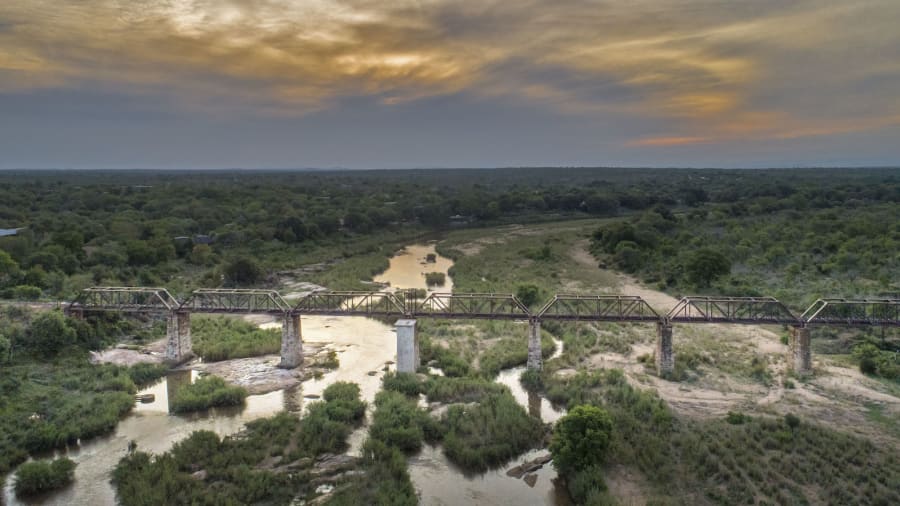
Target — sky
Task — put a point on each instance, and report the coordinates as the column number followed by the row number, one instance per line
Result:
column 442, row 83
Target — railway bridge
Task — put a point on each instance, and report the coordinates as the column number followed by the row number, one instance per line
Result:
column 406, row 306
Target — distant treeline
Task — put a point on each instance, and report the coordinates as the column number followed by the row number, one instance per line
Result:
column 233, row 227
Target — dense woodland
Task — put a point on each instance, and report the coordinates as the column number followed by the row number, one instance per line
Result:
column 790, row 233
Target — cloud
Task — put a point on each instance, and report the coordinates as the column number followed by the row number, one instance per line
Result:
column 702, row 70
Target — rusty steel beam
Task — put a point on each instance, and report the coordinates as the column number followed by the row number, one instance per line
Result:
column 748, row 310
column 472, row 306
column 124, row 298
column 604, row 308
column 882, row 312
column 351, row 303
column 235, row 301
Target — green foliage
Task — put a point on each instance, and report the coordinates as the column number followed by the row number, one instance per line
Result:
column 581, row 438
column 342, row 402
column 4, row 348
column 405, row 383
column 587, row 486
column 146, row 373
column 398, row 422
column 737, row 418
column 435, row 278
column 792, row 421
column 26, row 292
column 42, row 476
column 242, row 271
column 50, row 333
column 386, row 480
column 705, row 266
column 237, row 467
column 531, row 380
column 221, row 338
column 528, row 294
column 490, row 433
column 877, row 362
column 207, row 392
column 446, row 389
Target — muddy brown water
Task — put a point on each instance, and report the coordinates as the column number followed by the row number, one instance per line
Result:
column 364, row 346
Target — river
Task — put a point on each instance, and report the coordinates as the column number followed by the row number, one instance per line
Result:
column 364, row 347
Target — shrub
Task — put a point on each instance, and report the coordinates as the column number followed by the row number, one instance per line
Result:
column 342, row 402
column 528, row 294
column 489, row 434
column 531, row 380
column 41, row 476
column 736, row 418
column 50, row 332
column 792, row 421
column 400, row 423
column 242, row 271
column 405, row 383
column 145, row 373
column 581, row 438
column 26, row 292
column 205, row 393
column 435, row 279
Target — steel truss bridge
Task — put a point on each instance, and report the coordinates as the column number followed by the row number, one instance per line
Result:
column 562, row 307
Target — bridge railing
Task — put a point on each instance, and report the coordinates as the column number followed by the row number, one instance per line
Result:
column 350, row 303
column 609, row 308
column 472, row 305
column 236, row 301
column 885, row 312
column 749, row 310
column 125, row 298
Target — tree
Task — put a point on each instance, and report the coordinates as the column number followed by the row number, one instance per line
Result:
column 580, row 439
column 50, row 332
column 4, row 348
column 9, row 269
column 528, row 294
column 706, row 265
column 242, row 271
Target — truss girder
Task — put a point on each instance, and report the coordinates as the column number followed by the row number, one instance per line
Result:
column 750, row 310
column 236, row 301
column 883, row 312
column 351, row 303
column 607, row 308
column 125, row 298
column 472, row 305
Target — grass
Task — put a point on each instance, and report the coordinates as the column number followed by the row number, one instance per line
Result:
column 239, row 468
column 205, row 393
column 399, row 423
column 40, row 476
column 221, row 338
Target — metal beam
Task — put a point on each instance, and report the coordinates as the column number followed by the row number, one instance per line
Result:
column 351, row 303
column 884, row 312
column 125, row 298
column 473, row 305
column 605, row 308
column 749, row 310
column 235, row 301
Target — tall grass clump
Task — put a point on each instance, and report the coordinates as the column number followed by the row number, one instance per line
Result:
column 490, row 433
column 42, row 476
column 398, row 422
column 208, row 392
column 221, row 338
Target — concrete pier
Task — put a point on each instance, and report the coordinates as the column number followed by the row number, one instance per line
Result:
column 665, row 354
column 178, row 337
column 291, row 341
column 535, row 359
column 800, row 353
column 407, row 346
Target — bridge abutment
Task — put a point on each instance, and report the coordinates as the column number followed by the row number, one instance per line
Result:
column 535, row 359
column 407, row 346
column 291, row 341
column 665, row 353
column 178, row 337
column 801, row 355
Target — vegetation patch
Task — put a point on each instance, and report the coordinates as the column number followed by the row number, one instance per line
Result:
column 239, row 469
column 490, row 433
column 221, row 338
column 207, row 392
column 399, row 423
column 43, row 476
column 465, row 390
column 435, row 278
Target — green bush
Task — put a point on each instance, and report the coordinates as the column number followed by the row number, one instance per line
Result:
column 581, row 438
column 50, row 332
column 528, row 294
column 435, row 278
column 405, row 383
column 205, row 393
column 221, row 338
column 398, row 422
column 26, row 292
column 42, row 476
column 489, row 434
column 146, row 373
column 531, row 380
column 342, row 402
column 444, row 389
